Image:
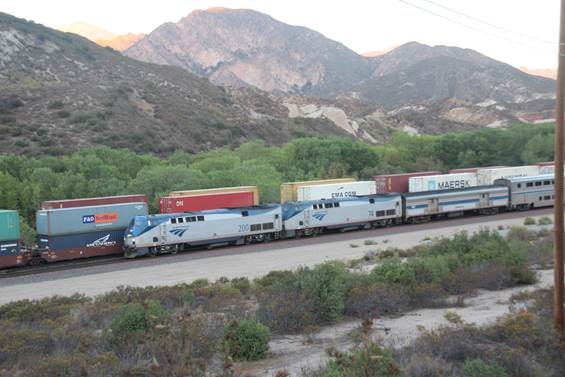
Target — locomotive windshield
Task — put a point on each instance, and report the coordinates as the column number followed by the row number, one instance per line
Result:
column 137, row 226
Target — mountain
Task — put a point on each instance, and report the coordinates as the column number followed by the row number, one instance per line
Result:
column 415, row 73
column 550, row 73
column 372, row 54
column 245, row 47
column 60, row 92
column 121, row 42
column 240, row 47
column 94, row 33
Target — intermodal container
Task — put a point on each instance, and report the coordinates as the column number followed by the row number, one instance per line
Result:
column 65, row 221
column 546, row 167
column 289, row 190
column 222, row 190
column 81, row 245
column 397, row 182
column 176, row 204
column 488, row 176
column 473, row 170
column 336, row 190
column 442, row 182
column 88, row 202
column 9, row 225
column 10, row 253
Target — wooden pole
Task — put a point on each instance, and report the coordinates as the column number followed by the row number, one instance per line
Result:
column 558, row 208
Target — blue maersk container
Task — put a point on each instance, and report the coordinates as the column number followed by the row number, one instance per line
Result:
column 70, row 233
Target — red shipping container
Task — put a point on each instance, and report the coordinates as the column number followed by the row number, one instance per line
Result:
column 176, row 204
column 87, row 202
column 398, row 182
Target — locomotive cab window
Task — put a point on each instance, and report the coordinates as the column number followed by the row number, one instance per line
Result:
column 372, row 201
column 180, row 220
column 200, row 218
column 244, row 213
column 192, row 219
column 173, row 221
column 329, row 205
column 336, row 205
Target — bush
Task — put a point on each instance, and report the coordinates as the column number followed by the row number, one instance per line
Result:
column 545, row 221
column 135, row 318
column 480, row 368
column 246, row 340
column 529, row 221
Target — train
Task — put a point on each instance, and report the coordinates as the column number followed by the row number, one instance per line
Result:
column 82, row 228
column 166, row 233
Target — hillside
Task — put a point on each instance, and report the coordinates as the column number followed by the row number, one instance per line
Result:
column 245, row 47
column 60, row 92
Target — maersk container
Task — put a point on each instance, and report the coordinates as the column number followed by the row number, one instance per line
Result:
column 289, row 190
column 64, row 221
column 9, row 225
column 176, row 204
column 487, row 177
column 254, row 190
column 397, row 182
column 88, row 202
column 442, row 182
column 81, row 245
column 336, row 190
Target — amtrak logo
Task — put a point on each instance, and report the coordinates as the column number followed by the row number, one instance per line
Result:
column 104, row 241
column 178, row 232
column 319, row 216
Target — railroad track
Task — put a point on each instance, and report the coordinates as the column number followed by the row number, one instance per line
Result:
column 224, row 251
column 60, row 266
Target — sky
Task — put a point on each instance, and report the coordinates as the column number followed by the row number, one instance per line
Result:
column 518, row 32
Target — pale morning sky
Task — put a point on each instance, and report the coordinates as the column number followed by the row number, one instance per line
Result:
column 361, row 25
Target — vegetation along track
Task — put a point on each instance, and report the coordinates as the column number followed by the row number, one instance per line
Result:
column 117, row 262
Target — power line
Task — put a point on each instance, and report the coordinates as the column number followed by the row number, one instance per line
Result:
column 475, row 28
column 490, row 24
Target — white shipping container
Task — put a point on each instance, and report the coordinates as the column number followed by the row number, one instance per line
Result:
column 442, row 182
column 546, row 169
column 488, row 176
column 336, row 190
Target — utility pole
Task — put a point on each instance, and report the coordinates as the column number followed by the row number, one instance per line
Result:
column 558, row 208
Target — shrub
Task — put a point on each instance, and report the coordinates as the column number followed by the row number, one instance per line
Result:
column 243, row 284
column 393, row 270
column 545, row 221
column 480, row 368
column 529, row 221
column 370, row 360
column 135, row 318
column 246, row 340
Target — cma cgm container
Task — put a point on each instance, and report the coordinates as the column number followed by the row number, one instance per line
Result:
column 397, row 182
column 289, row 190
column 81, row 232
column 488, row 176
column 442, row 182
column 87, row 202
column 336, row 190
column 9, row 239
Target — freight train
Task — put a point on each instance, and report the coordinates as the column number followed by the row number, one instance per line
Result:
column 161, row 234
column 82, row 228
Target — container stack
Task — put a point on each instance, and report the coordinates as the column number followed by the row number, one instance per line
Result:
column 201, row 200
column 398, row 182
column 86, row 230
column 289, row 190
column 85, row 202
column 9, row 238
column 442, row 182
